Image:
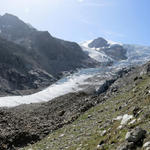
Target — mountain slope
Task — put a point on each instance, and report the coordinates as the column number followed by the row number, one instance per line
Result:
column 103, row 51
column 18, row 70
column 37, row 54
column 123, row 108
column 52, row 54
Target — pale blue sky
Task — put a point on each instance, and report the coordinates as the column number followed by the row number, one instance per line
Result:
column 126, row 21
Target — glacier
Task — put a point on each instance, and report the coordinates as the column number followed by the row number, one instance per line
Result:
column 79, row 80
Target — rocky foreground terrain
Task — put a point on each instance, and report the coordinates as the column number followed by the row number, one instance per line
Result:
column 114, row 117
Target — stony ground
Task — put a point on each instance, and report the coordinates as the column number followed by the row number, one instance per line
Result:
column 126, row 106
column 79, row 121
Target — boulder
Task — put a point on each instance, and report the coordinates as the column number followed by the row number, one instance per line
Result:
column 146, row 145
column 104, row 87
column 135, row 111
column 135, row 135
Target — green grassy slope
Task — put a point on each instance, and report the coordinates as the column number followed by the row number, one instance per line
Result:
column 97, row 124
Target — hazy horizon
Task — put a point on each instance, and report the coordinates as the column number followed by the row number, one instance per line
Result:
column 123, row 21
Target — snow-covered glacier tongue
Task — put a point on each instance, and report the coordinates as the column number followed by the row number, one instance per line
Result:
column 91, row 78
column 63, row 86
column 79, row 81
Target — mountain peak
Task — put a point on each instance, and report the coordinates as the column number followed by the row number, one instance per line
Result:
column 9, row 19
column 10, row 16
column 7, row 14
column 99, row 42
column 12, row 28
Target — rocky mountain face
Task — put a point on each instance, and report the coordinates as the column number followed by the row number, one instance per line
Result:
column 18, row 71
column 32, row 58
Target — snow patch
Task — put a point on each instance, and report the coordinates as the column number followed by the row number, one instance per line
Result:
column 97, row 55
column 118, row 118
column 113, row 43
column 86, row 43
column 126, row 118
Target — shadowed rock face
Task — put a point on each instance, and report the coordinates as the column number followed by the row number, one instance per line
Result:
column 116, row 52
column 53, row 55
column 18, row 71
column 57, row 55
column 23, row 50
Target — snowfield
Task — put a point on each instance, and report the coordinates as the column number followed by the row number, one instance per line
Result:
column 95, row 53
